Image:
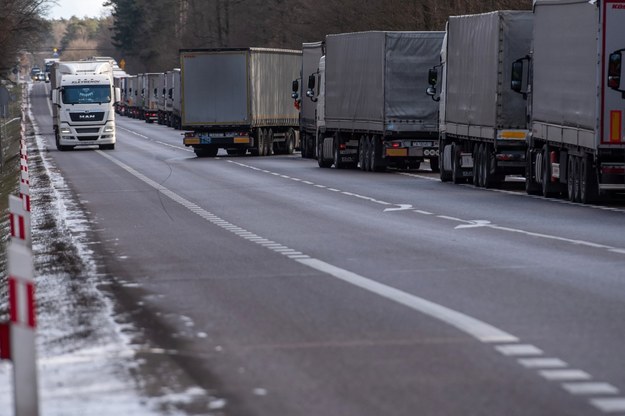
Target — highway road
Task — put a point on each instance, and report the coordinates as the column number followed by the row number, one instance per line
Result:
column 294, row 290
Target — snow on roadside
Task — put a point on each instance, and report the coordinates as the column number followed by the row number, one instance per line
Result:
column 87, row 364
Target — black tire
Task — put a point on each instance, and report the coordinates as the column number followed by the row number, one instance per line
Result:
column 577, row 162
column 445, row 176
column 362, row 144
column 262, row 147
column 477, row 160
column 570, row 178
column 320, row 160
column 269, row 143
column 289, row 145
column 206, row 151
column 456, row 171
column 338, row 164
column 367, row 154
column 588, row 189
column 376, row 164
column 531, row 186
column 434, row 164
column 486, row 180
column 546, row 187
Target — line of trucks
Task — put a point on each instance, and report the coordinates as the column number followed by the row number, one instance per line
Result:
column 537, row 93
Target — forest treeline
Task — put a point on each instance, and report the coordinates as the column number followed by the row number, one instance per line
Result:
column 148, row 33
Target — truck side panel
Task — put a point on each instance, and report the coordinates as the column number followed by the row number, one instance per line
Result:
column 310, row 63
column 565, row 69
column 270, row 74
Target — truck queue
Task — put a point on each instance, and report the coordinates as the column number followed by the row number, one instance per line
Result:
column 496, row 94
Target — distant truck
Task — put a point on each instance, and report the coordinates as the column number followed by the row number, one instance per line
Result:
column 83, row 98
column 150, row 93
column 483, row 127
column 311, row 54
column 371, row 111
column 172, row 100
column 238, row 100
column 573, row 82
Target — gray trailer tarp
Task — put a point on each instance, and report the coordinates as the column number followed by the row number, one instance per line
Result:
column 480, row 52
column 375, row 81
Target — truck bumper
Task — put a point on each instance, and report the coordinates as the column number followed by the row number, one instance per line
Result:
column 86, row 135
column 222, row 140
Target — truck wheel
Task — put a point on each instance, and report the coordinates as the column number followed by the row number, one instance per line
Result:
column 206, row 151
column 434, row 161
column 486, row 180
column 338, row 163
column 456, row 170
column 269, row 143
column 531, row 187
column 577, row 162
column 323, row 163
column 588, row 188
column 262, row 147
column 445, row 176
column 290, row 142
column 546, row 174
column 362, row 151
column 477, row 157
column 570, row 178
column 375, row 151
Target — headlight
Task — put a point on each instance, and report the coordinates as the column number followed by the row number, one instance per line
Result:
column 65, row 130
column 109, row 129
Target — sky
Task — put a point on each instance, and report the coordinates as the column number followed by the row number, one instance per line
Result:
column 79, row 8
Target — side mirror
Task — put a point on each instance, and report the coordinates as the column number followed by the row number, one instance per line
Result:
column 170, row 94
column 118, row 95
column 519, row 78
column 295, row 86
column 156, row 92
column 432, row 77
column 431, row 91
column 54, row 96
column 616, row 72
column 311, row 82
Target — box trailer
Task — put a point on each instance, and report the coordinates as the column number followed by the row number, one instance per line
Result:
column 311, row 53
column 371, row 111
column 574, row 98
column 238, row 99
column 483, row 127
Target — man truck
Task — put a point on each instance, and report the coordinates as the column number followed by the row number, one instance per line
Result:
column 238, row 100
column 369, row 109
column 83, row 98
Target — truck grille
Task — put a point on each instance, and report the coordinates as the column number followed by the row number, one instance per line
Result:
column 89, row 130
column 87, row 137
column 99, row 116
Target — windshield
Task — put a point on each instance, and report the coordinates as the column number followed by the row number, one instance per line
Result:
column 86, row 94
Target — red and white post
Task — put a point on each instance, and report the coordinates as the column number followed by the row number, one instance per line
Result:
column 22, row 329
column 19, row 217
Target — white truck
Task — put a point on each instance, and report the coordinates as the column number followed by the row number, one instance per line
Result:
column 150, row 92
column 83, row 98
column 572, row 83
column 482, row 122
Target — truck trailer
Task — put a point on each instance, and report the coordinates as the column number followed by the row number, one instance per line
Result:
column 483, row 128
column 311, row 54
column 370, row 111
column 83, row 98
column 150, row 92
column 174, row 100
column 571, row 81
column 238, row 99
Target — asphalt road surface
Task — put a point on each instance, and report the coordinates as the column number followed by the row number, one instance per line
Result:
column 295, row 290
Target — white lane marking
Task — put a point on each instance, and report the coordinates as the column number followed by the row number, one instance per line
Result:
column 478, row 329
column 474, row 224
column 445, row 217
column 587, row 388
column 186, row 149
column 564, row 375
column 542, row 362
column 518, row 350
column 418, row 211
column 400, row 207
column 609, row 405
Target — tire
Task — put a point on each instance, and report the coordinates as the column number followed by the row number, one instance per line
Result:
column 320, row 160
column 456, row 170
column 570, row 178
column 531, row 187
column 577, row 163
column 486, row 180
column 362, row 144
column 206, row 151
column 546, row 171
column 338, row 164
column 477, row 160
column 367, row 155
column 445, row 176
column 269, row 143
column 262, row 147
column 588, row 189
column 376, row 164
column 289, row 145
column 434, row 164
